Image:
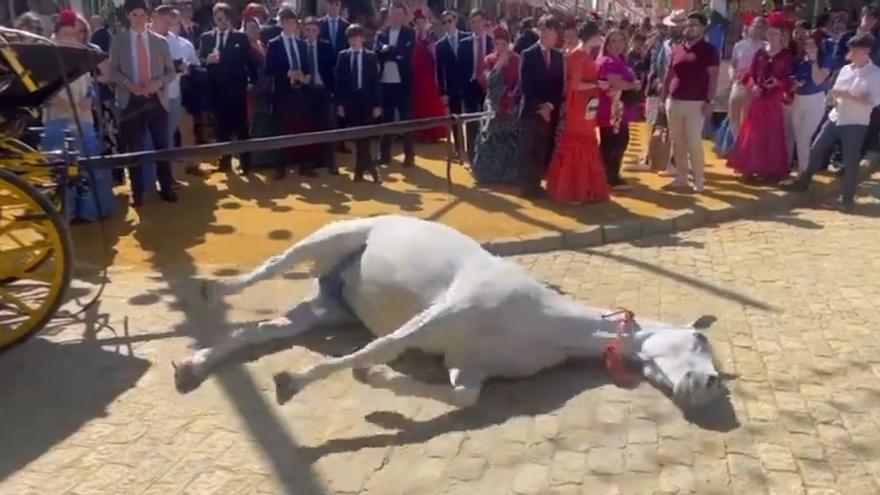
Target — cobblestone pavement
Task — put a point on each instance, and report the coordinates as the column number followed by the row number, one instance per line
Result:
column 90, row 407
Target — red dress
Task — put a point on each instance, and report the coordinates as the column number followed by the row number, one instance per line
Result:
column 426, row 94
column 760, row 144
column 576, row 174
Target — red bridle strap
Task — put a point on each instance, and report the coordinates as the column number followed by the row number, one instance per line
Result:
column 614, row 352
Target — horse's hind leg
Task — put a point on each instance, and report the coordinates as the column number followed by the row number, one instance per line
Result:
column 305, row 316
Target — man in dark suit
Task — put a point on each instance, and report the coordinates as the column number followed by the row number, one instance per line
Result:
column 394, row 47
column 333, row 28
column 231, row 66
column 448, row 78
column 359, row 95
column 542, row 78
column 321, row 60
column 472, row 53
column 287, row 64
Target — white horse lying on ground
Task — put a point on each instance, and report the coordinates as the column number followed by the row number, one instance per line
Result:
column 422, row 285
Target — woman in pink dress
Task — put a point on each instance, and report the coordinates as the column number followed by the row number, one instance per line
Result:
column 426, row 94
column 760, row 151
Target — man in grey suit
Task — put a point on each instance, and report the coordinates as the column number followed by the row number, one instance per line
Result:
column 141, row 67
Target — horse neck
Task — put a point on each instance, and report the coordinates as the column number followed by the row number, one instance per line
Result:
column 588, row 330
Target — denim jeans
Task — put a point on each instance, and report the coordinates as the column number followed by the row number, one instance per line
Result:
column 851, row 138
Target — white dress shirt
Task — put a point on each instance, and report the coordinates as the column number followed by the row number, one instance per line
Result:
column 357, row 66
column 863, row 81
column 181, row 49
column 453, row 42
column 482, row 41
column 288, row 42
column 217, row 38
column 390, row 71
column 333, row 28
column 144, row 37
column 316, row 73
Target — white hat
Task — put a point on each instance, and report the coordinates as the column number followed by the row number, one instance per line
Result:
column 675, row 18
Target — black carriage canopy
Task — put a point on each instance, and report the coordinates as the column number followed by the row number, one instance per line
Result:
column 33, row 69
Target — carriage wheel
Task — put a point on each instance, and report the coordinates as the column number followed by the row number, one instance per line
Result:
column 28, row 163
column 35, row 259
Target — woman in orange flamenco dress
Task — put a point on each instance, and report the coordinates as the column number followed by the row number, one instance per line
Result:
column 576, row 174
column 426, row 94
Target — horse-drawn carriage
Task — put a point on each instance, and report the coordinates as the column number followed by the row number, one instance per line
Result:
column 35, row 247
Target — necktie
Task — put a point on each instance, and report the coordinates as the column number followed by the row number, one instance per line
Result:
column 480, row 63
column 546, row 57
column 222, row 41
column 294, row 57
column 332, row 23
column 142, row 62
column 357, row 64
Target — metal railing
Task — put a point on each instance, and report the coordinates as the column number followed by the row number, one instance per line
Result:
column 289, row 141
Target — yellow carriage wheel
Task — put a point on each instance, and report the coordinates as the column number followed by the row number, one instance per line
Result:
column 30, row 229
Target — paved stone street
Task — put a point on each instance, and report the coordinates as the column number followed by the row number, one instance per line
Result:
column 89, row 408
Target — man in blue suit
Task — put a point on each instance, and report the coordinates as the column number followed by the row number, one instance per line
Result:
column 448, row 78
column 333, row 28
column 321, row 60
column 472, row 52
column 287, row 64
column 359, row 95
column 394, row 47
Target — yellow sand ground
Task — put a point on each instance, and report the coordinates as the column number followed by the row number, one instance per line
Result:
column 225, row 219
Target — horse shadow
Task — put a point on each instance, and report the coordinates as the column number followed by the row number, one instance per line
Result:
column 500, row 400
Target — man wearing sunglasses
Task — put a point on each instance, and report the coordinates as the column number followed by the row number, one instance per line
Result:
column 448, row 76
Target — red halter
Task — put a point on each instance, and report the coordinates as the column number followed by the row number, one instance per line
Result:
column 622, row 376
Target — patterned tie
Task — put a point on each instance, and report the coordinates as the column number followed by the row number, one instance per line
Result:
column 143, row 62
column 480, row 63
column 546, row 57
column 356, row 62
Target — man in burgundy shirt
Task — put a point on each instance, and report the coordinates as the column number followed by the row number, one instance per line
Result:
column 689, row 88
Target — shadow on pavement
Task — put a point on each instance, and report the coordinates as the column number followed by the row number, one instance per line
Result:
column 50, row 390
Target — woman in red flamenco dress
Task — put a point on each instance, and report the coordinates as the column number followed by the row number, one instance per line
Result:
column 760, row 151
column 576, row 174
column 426, row 94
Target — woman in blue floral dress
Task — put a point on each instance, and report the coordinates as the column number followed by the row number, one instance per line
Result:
column 496, row 145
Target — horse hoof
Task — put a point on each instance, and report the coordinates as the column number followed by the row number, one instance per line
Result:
column 285, row 388
column 185, row 377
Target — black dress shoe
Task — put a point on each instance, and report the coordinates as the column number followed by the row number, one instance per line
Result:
column 137, row 202
column 375, row 175
column 280, row 173
column 409, row 163
column 334, row 171
column 308, row 172
column 168, row 196
column 382, row 160
column 358, row 177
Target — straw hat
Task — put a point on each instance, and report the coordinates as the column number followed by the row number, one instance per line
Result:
column 675, row 18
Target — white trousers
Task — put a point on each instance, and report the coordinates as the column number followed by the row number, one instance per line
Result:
column 806, row 115
column 686, row 133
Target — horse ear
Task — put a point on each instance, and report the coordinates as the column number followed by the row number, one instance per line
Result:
column 703, row 322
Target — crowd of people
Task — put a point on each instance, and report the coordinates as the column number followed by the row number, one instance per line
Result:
column 562, row 92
